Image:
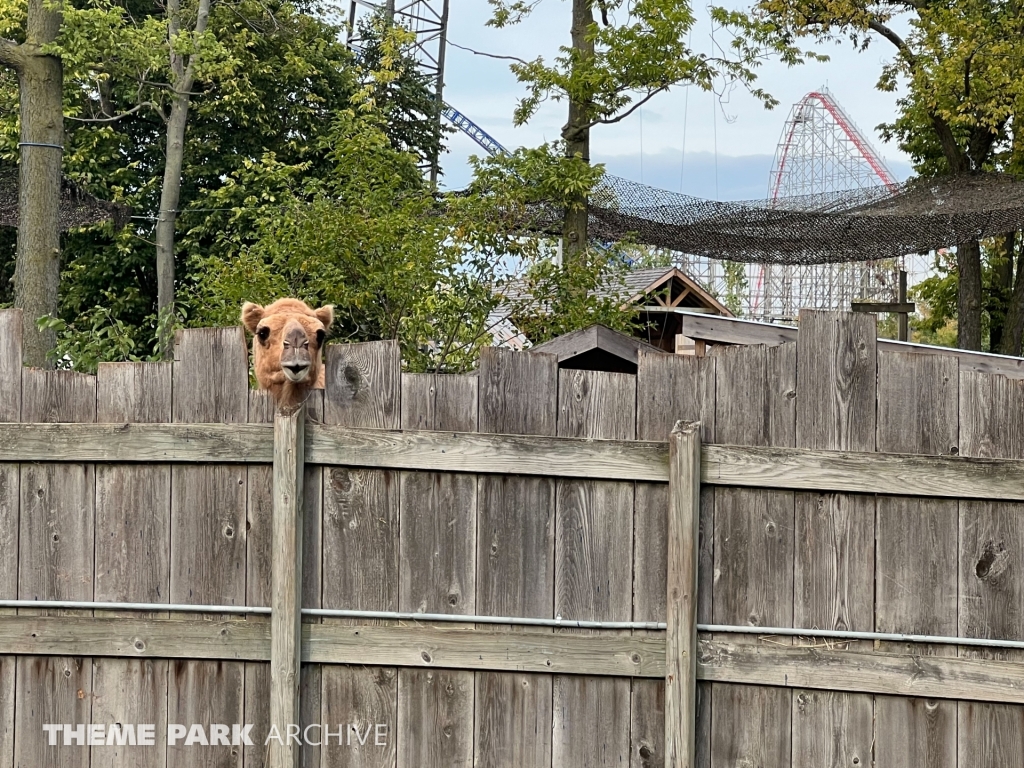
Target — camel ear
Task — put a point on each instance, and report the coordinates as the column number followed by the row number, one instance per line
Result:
column 325, row 315
column 251, row 315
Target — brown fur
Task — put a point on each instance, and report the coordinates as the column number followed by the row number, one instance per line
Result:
column 287, row 332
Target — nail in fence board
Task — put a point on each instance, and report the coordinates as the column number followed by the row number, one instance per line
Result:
column 438, row 573
column 593, row 568
column 133, row 538
column 835, row 533
column 991, row 567
column 208, row 539
column 360, row 525
column 518, row 394
column 916, row 546
column 10, row 410
column 753, row 550
column 670, row 388
column 57, row 515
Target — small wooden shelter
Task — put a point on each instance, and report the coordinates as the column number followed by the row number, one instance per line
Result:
column 597, row 348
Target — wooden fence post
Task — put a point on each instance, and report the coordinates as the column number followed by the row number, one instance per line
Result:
column 286, row 585
column 681, row 639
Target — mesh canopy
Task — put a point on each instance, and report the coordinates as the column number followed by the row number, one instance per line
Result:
column 77, row 208
column 864, row 224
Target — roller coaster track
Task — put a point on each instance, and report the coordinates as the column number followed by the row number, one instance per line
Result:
column 474, row 131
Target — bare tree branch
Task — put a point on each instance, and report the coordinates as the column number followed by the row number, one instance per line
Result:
column 609, row 121
column 895, row 39
column 488, row 55
column 113, row 119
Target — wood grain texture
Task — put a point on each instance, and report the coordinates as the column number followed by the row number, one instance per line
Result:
column 518, row 394
column 438, row 573
column 361, row 525
column 834, row 533
column 211, row 376
column 681, row 609
column 208, row 547
column 363, row 385
column 133, row 392
column 10, row 364
column 593, row 567
column 10, row 410
column 728, row 330
column 133, row 506
column 286, row 584
column 411, row 645
column 205, row 692
column 259, row 548
column 721, row 660
column 8, row 665
column 991, row 565
column 915, row 546
column 670, row 388
column 57, row 516
column 643, row 461
column 754, row 554
column 991, row 553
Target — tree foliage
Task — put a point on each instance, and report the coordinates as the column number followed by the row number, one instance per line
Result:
column 960, row 70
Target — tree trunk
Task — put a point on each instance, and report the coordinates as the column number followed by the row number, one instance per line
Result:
column 968, row 260
column 182, row 79
column 1000, row 289
column 37, row 269
column 576, row 134
column 170, row 194
column 1013, row 328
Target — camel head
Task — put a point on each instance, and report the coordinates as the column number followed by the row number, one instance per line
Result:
column 288, row 338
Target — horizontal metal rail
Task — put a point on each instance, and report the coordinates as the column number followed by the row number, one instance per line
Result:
column 558, row 622
column 327, row 613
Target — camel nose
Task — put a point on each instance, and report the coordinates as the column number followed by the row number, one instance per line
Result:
column 296, row 366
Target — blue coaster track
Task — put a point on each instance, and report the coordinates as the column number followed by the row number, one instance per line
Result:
column 474, row 131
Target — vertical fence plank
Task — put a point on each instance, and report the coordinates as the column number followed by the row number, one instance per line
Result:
column 593, row 568
column 10, row 364
column 916, row 544
column 991, row 582
column 518, row 393
column 438, row 573
column 286, row 585
column 835, row 533
column 57, row 515
column 670, row 388
column 681, row 608
column 10, row 411
column 259, row 517
column 753, row 555
column 360, row 545
column 208, row 517
column 133, row 542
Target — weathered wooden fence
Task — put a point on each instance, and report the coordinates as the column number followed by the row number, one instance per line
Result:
column 456, row 495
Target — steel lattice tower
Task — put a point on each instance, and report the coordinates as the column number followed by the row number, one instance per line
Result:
column 428, row 21
column 821, row 151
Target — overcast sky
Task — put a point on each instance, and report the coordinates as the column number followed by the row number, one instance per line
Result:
column 729, row 147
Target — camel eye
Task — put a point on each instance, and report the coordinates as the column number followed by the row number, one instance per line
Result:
column 263, row 334
column 320, row 337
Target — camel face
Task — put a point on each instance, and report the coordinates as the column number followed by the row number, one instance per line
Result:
column 287, row 340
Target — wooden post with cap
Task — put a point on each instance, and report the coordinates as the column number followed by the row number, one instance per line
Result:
column 681, row 613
